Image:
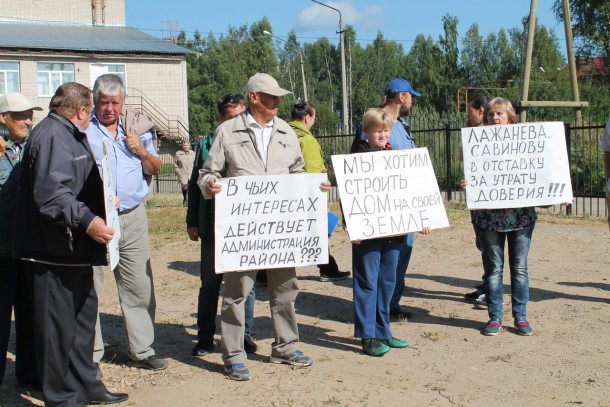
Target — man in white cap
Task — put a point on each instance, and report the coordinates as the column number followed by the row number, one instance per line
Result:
column 16, row 114
column 256, row 142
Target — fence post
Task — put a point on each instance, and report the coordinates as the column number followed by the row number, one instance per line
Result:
column 448, row 161
column 569, row 148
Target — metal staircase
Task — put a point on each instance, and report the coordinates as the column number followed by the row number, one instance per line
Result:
column 168, row 126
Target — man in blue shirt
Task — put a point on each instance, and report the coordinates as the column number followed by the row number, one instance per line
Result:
column 397, row 101
column 132, row 157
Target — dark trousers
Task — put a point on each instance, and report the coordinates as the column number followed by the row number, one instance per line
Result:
column 329, row 268
column 207, row 304
column 65, row 309
column 14, row 292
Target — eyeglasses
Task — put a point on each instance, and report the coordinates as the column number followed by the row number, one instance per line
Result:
column 231, row 99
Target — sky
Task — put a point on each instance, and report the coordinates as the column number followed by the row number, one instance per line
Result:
column 398, row 20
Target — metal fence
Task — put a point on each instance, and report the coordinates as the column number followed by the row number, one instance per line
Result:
column 583, row 144
column 167, row 180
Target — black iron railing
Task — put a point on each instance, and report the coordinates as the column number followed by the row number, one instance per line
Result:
column 583, row 144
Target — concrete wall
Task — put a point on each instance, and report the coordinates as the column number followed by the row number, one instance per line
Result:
column 163, row 82
column 72, row 11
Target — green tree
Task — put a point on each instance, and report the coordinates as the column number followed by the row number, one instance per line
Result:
column 220, row 66
column 323, row 67
column 548, row 77
column 472, row 57
column 591, row 28
column 448, row 45
column 423, row 70
column 379, row 62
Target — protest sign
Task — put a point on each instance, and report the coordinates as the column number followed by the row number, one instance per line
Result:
column 516, row 165
column 387, row 193
column 112, row 215
column 273, row 221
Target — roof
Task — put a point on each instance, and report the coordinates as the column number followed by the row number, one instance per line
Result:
column 83, row 38
column 591, row 66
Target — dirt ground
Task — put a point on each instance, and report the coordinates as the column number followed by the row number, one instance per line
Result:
column 449, row 363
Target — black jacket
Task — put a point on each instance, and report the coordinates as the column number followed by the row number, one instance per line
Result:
column 60, row 193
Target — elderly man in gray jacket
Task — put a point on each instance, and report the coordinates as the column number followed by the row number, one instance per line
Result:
column 256, row 142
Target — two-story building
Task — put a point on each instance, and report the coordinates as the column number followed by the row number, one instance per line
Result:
column 44, row 43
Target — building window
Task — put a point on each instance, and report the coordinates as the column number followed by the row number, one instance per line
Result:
column 9, row 77
column 52, row 75
column 98, row 70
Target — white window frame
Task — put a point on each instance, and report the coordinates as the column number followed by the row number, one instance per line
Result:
column 4, row 78
column 98, row 69
column 53, row 78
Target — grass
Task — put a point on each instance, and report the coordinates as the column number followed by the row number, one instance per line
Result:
column 166, row 169
column 166, row 219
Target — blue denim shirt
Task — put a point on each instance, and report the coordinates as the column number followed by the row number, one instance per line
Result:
column 9, row 181
column 400, row 138
column 130, row 185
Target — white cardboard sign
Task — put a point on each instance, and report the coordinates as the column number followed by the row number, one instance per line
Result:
column 273, row 221
column 388, row 193
column 112, row 215
column 516, row 165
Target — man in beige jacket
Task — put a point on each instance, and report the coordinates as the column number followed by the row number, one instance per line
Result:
column 183, row 165
column 256, row 142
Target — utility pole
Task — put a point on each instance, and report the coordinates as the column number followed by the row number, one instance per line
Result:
column 531, row 29
column 524, row 102
column 567, row 23
column 300, row 61
column 344, row 112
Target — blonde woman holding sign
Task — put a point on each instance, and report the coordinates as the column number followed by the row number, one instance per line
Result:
column 495, row 227
column 374, row 260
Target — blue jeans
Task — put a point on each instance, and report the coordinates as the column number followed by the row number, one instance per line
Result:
column 207, row 305
column 406, row 248
column 518, row 249
column 374, row 265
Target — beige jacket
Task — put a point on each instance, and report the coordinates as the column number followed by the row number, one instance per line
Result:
column 234, row 152
column 183, row 164
column 139, row 123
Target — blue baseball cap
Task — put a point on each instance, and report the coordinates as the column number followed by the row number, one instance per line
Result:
column 400, row 85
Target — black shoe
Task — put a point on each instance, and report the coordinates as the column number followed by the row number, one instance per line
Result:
column 249, row 345
column 151, row 363
column 110, row 398
column 474, row 296
column 34, row 382
column 339, row 275
column 400, row 312
column 203, row 348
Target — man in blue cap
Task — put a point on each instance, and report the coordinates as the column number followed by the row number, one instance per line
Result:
column 397, row 101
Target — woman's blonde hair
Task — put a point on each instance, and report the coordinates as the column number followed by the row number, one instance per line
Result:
column 508, row 108
column 375, row 118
